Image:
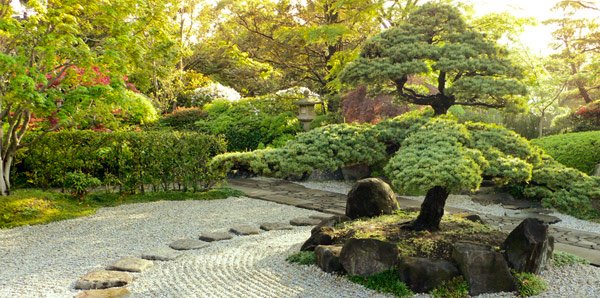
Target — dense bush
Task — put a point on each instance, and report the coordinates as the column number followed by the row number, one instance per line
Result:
column 183, row 118
column 577, row 150
column 585, row 118
column 128, row 160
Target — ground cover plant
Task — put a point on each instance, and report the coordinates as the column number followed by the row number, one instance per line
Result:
column 31, row 206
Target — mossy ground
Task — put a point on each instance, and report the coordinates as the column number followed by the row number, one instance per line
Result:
column 436, row 245
column 34, row 206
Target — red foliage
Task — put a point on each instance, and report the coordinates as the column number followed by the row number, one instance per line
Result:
column 83, row 77
column 591, row 110
column 357, row 106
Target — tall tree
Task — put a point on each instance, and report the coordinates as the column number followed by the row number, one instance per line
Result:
column 577, row 40
column 435, row 58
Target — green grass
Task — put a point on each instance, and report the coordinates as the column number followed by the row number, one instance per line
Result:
column 302, row 258
column 384, row 282
column 560, row 259
column 529, row 284
column 34, row 206
column 455, row 288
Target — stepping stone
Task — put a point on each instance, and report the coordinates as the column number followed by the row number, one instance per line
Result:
column 131, row 264
column 244, row 230
column 320, row 217
column 304, row 221
column 215, row 236
column 105, row 293
column 187, row 244
column 161, row 254
column 103, row 279
column 270, row 226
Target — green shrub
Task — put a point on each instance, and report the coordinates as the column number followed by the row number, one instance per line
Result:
column 529, row 284
column 128, row 160
column 384, row 282
column 579, row 150
column 183, row 118
column 560, row 259
column 302, row 258
column 455, row 288
column 80, row 184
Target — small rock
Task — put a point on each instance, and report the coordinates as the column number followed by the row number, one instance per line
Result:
column 528, row 247
column 105, row 293
column 244, row 230
column 103, row 279
column 328, row 258
column 130, row 264
column 370, row 197
column 215, row 236
column 271, row 226
column 161, row 254
column 423, row 275
column 187, row 244
column 320, row 217
column 305, row 221
column 323, row 233
column 474, row 218
column 365, row 257
column 484, row 269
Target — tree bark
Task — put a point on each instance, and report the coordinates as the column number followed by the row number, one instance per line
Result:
column 432, row 210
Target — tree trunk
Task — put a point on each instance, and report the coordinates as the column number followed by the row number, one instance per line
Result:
column 432, row 210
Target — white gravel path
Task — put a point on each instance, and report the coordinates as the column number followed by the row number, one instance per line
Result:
column 45, row 260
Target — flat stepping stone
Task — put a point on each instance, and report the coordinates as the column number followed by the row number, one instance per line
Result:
column 103, row 279
column 215, row 236
column 304, row 221
column 244, row 230
column 271, row 226
column 105, row 293
column 187, row 244
column 320, row 217
column 131, row 264
column 161, row 254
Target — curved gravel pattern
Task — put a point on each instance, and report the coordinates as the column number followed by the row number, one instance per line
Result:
column 46, row 260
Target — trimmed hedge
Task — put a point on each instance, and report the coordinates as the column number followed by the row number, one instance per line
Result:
column 127, row 160
column 580, row 150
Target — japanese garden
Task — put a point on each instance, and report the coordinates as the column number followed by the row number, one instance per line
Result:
column 299, row 148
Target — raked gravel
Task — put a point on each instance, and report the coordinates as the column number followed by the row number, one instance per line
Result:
column 46, row 260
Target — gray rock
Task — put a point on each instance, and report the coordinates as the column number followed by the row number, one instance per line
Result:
column 105, row 293
column 161, row 254
column 304, row 221
column 130, row 264
column 484, row 269
column 103, row 279
column 244, row 230
column 528, row 247
column 320, row 217
column 365, row 257
column 423, row 275
column 323, row 233
column 328, row 258
column 474, row 218
column 187, row 244
column 370, row 197
column 271, row 226
column 215, row 236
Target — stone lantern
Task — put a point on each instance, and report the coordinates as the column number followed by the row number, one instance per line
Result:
column 306, row 110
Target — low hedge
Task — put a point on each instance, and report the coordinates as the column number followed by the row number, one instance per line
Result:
column 580, row 150
column 125, row 160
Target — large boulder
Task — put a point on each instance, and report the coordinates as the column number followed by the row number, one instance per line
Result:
column 370, row 197
column 423, row 275
column 528, row 247
column 484, row 269
column 365, row 257
column 323, row 233
column 328, row 258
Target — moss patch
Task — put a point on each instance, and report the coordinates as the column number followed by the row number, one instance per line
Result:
column 302, row 258
column 384, row 282
column 425, row 244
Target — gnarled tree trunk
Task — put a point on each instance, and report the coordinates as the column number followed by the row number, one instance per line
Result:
column 432, row 210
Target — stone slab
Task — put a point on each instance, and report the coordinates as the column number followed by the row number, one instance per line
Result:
column 105, row 293
column 103, row 279
column 161, row 254
column 130, row 264
column 591, row 255
column 304, row 221
column 187, row 244
column 270, row 226
column 215, row 236
column 244, row 230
